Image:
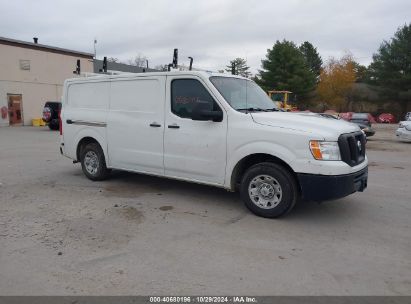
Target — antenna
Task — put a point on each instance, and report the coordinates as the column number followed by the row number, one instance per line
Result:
column 78, row 69
column 191, row 63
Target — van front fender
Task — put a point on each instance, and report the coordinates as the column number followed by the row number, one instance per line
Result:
column 268, row 148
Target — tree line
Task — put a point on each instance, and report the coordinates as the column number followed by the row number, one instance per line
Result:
column 300, row 69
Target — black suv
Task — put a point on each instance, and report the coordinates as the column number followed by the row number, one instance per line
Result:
column 51, row 114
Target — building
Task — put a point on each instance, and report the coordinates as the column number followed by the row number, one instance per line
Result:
column 31, row 74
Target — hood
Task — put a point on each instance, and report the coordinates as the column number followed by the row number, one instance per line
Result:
column 327, row 128
column 405, row 123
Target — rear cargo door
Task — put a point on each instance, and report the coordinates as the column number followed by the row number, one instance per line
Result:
column 84, row 114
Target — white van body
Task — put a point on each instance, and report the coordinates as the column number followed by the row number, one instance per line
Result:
column 130, row 117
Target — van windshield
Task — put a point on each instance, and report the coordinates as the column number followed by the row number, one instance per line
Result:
column 242, row 94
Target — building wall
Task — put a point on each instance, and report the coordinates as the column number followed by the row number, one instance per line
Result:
column 43, row 82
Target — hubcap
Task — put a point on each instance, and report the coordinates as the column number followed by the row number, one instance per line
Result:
column 265, row 191
column 91, row 162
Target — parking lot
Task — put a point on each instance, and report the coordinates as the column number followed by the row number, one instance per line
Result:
column 62, row 234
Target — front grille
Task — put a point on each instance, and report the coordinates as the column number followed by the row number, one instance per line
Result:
column 352, row 148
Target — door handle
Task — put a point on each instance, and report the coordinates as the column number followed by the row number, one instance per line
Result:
column 155, row 125
column 69, row 121
column 174, row 126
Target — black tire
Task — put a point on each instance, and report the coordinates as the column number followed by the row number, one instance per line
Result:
column 93, row 151
column 53, row 126
column 280, row 176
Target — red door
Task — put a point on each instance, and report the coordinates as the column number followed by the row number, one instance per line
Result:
column 15, row 109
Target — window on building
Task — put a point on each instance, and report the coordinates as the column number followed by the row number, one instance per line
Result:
column 25, row 65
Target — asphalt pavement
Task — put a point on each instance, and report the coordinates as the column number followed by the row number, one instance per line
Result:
column 62, row 234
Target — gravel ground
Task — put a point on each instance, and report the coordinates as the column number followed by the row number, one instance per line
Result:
column 61, row 234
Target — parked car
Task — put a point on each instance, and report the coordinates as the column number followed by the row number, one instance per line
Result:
column 51, row 114
column 404, row 131
column 334, row 116
column 201, row 127
column 346, row 115
column 386, row 118
column 363, row 120
column 371, row 118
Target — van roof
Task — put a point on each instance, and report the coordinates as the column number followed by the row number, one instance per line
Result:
column 121, row 75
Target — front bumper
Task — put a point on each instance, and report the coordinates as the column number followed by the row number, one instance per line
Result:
column 403, row 134
column 316, row 187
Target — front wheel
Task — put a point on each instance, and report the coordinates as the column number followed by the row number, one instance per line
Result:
column 269, row 190
column 93, row 162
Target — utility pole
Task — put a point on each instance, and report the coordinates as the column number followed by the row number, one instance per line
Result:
column 95, row 53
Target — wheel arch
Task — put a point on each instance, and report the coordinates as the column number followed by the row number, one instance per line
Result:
column 84, row 141
column 252, row 159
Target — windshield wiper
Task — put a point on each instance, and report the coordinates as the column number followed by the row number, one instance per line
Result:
column 252, row 109
column 259, row 110
column 272, row 110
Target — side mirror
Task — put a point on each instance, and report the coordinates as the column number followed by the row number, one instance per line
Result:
column 201, row 111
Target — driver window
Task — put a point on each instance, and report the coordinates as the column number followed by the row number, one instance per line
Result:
column 185, row 93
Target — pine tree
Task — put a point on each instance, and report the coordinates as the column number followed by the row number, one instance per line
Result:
column 285, row 68
column 241, row 67
column 312, row 57
column 391, row 66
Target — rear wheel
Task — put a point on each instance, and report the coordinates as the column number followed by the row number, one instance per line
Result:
column 93, row 162
column 269, row 190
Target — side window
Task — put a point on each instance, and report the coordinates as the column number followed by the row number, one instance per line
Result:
column 185, row 93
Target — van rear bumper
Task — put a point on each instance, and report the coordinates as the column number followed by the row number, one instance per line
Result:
column 316, row 187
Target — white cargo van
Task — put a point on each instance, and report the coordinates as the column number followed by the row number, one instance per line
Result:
column 215, row 129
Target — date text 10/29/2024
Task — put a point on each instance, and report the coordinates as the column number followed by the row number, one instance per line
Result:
column 203, row 299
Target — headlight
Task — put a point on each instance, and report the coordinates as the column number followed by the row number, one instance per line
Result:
column 408, row 127
column 325, row 150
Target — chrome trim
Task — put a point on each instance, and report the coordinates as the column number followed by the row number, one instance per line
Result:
column 89, row 123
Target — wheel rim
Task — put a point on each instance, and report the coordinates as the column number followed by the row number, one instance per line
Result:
column 265, row 191
column 91, row 162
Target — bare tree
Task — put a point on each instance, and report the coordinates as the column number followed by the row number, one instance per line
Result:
column 139, row 61
column 161, row 67
column 113, row 59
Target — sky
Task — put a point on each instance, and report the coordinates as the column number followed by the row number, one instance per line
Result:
column 212, row 31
